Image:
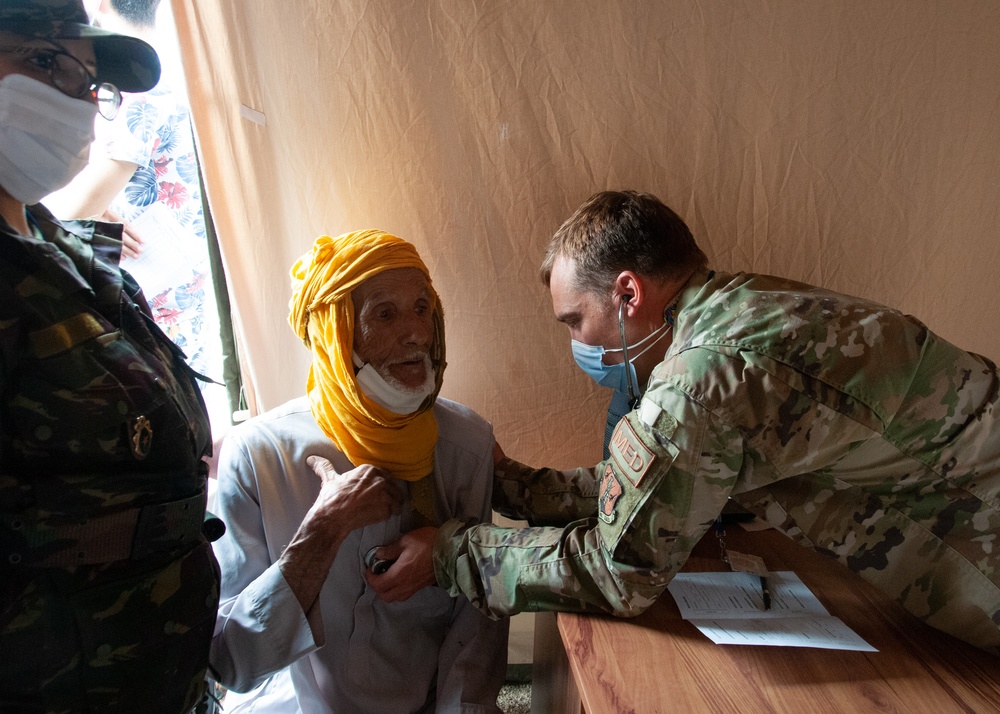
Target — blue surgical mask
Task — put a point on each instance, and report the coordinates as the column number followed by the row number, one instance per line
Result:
column 590, row 358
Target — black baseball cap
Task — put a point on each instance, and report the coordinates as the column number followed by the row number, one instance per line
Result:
column 126, row 62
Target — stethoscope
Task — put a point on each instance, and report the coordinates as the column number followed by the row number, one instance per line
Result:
column 633, row 397
column 668, row 319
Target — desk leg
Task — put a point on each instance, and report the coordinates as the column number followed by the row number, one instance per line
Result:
column 553, row 690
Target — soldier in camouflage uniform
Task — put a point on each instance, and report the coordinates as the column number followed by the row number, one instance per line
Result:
column 847, row 425
column 108, row 589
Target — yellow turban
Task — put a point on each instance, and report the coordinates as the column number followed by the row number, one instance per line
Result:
column 321, row 313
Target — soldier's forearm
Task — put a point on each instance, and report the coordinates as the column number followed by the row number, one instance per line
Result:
column 503, row 571
column 543, row 496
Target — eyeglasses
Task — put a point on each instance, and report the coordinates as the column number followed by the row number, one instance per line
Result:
column 70, row 76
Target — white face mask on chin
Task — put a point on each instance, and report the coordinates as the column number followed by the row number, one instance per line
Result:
column 45, row 137
column 396, row 399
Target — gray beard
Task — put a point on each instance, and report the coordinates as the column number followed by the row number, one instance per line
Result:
column 421, row 390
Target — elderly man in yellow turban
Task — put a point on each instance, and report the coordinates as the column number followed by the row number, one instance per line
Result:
column 311, row 490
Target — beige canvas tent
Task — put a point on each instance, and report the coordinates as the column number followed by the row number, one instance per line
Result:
column 853, row 144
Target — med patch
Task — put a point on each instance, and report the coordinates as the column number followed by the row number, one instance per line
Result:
column 631, row 456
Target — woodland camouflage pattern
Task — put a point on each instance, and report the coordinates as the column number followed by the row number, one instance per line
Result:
column 847, row 425
column 101, row 422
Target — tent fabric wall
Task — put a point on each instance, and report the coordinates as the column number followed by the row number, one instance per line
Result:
column 850, row 143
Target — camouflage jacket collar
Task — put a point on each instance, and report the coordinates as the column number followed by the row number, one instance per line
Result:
column 74, row 255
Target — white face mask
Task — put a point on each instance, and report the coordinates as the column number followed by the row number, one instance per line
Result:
column 394, row 397
column 45, row 137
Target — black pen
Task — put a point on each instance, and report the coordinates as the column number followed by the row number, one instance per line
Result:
column 765, row 591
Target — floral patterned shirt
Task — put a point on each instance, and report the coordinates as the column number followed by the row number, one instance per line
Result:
column 153, row 130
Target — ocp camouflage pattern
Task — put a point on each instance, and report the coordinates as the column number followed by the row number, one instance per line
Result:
column 846, row 424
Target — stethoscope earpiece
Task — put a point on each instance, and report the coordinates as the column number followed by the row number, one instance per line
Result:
column 633, row 397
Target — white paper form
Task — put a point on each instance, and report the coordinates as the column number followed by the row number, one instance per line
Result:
column 729, row 609
column 170, row 254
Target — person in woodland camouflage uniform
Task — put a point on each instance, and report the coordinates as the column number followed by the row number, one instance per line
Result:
column 108, row 589
column 848, row 425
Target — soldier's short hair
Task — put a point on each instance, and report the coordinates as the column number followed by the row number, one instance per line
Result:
column 623, row 230
column 141, row 13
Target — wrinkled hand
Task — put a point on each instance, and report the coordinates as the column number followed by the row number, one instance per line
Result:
column 346, row 501
column 355, row 498
column 413, row 569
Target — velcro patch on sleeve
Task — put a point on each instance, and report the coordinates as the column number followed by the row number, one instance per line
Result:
column 611, row 491
column 631, row 456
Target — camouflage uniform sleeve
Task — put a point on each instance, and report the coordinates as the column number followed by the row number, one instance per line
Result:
column 672, row 467
column 543, row 497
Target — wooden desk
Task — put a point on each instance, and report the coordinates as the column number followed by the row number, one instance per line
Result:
column 657, row 662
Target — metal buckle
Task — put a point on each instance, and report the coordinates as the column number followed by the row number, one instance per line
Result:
column 164, row 526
